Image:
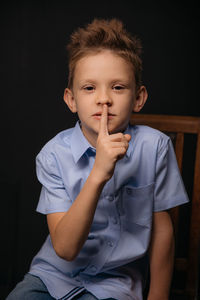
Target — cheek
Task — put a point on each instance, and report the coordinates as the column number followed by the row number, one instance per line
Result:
column 84, row 103
column 126, row 107
column 82, row 108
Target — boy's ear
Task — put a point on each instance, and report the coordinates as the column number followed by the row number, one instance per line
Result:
column 141, row 99
column 69, row 100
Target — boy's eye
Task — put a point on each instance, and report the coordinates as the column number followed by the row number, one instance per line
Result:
column 88, row 88
column 118, row 87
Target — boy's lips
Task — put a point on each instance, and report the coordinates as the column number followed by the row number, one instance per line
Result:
column 98, row 115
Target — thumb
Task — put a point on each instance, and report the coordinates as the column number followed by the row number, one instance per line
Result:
column 128, row 137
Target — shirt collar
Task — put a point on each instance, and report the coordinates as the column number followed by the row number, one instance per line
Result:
column 79, row 144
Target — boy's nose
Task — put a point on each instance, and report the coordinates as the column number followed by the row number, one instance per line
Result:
column 105, row 99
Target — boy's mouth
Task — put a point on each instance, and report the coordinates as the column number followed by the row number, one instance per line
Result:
column 98, row 115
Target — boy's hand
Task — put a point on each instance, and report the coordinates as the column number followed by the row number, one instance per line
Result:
column 109, row 148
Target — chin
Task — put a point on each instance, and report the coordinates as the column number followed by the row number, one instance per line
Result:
column 117, row 129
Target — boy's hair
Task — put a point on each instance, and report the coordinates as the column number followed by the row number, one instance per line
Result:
column 100, row 35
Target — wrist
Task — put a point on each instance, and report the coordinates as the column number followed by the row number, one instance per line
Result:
column 98, row 177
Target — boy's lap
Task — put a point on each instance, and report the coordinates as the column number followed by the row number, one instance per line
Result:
column 30, row 288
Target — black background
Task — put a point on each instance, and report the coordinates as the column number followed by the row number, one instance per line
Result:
column 33, row 70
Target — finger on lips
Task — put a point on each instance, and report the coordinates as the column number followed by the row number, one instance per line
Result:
column 103, row 129
column 104, row 121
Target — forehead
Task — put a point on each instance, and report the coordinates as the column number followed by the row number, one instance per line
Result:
column 103, row 65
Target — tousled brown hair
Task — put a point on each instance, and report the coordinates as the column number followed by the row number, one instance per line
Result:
column 105, row 34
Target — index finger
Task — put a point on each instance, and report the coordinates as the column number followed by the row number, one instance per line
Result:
column 103, row 125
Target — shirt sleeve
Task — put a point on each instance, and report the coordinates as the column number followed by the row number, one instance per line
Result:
column 169, row 188
column 53, row 196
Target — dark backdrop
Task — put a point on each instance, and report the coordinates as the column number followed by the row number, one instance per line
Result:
column 33, row 72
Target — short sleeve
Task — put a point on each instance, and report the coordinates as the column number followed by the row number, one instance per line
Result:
column 169, row 188
column 53, row 196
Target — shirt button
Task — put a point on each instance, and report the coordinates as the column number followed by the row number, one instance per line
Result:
column 129, row 191
column 93, row 268
column 110, row 244
column 86, row 281
column 114, row 220
column 110, row 198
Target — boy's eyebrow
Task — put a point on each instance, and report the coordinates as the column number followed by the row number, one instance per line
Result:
column 115, row 80
column 87, row 80
column 122, row 80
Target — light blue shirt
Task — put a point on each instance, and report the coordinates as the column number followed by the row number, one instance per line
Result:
column 146, row 180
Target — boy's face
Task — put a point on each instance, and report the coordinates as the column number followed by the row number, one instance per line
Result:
column 104, row 78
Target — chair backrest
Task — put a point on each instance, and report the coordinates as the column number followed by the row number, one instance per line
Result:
column 178, row 128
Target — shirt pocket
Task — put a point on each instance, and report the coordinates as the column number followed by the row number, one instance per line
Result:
column 137, row 204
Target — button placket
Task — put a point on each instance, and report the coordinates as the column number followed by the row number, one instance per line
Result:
column 110, row 244
column 87, row 281
column 129, row 191
column 114, row 220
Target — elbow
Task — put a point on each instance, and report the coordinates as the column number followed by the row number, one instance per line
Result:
column 66, row 254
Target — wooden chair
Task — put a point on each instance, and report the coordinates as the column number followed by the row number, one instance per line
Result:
column 185, row 268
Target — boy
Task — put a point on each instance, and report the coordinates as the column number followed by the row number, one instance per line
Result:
column 106, row 185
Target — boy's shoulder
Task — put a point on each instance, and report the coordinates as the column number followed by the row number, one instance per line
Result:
column 146, row 131
column 60, row 140
column 144, row 134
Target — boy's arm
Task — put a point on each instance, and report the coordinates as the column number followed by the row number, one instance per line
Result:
column 161, row 256
column 69, row 230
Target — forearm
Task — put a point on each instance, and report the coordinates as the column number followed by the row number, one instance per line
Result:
column 72, row 230
column 161, row 258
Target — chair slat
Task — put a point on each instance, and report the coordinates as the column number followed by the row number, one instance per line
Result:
column 179, row 149
column 174, row 213
column 181, row 264
column 168, row 123
column 194, row 224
